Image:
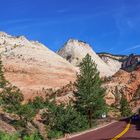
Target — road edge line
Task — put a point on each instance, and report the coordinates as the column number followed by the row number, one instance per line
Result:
column 87, row 131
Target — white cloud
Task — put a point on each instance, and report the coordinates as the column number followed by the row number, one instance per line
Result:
column 132, row 48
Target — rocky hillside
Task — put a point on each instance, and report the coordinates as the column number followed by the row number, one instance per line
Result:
column 113, row 61
column 122, row 82
column 112, row 56
column 131, row 63
column 29, row 65
column 75, row 50
column 32, row 67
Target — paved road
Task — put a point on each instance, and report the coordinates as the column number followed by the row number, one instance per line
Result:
column 109, row 132
column 133, row 133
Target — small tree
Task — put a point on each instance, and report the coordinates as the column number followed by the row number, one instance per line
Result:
column 90, row 95
column 38, row 103
column 11, row 97
column 117, row 95
column 125, row 107
column 2, row 78
column 26, row 113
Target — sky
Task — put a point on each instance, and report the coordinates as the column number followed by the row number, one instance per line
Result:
column 111, row 26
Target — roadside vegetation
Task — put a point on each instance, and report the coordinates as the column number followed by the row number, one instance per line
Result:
column 125, row 108
column 121, row 107
column 78, row 115
column 90, row 95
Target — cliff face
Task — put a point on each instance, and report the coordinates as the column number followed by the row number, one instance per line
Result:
column 74, row 51
column 32, row 67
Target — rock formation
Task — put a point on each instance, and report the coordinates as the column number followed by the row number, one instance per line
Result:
column 126, row 83
column 113, row 61
column 131, row 63
column 74, row 51
column 32, row 67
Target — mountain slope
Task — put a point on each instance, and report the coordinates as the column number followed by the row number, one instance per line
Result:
column 74, row 51
column 112, row 56
column 113, row 61
column 126, row 83
column 32, row 67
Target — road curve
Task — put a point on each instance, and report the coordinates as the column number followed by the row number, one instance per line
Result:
column 133, row 133
column 107, row 133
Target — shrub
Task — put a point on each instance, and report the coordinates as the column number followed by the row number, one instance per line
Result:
column 54, row 134
column 34, row 136
column 26, row 112
column 11, row 98
column 63, row 120
column 5, row 136
column 37, row 103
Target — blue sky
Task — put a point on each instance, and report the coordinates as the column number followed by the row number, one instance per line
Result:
column 108, row 25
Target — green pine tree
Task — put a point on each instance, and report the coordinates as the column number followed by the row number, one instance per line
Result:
column 117, row 95
column 26, row 113
column 90, row 95
column 125, row 107
column 2, row 78
column 11, row 97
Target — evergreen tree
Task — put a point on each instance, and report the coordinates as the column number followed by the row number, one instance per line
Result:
column 37, row 103
column 117, row 95
column 125, row 107
column 90, row 95
column 2, row 78
column 26, row 113
column 11, row 97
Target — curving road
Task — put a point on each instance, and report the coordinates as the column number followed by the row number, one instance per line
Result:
column 133, row 133
column 111, row 131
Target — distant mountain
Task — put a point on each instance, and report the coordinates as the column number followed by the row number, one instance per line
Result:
column 33, row 67
column 113, row 61
column 131, row 63
column 74, row 51
column 112, row 56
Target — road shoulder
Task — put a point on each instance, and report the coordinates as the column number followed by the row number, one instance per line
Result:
column 87, row 131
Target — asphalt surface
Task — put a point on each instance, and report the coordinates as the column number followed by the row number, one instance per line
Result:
column 133, row 133
column 109, row 132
